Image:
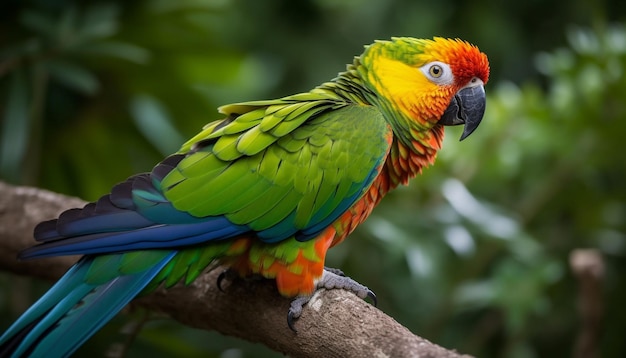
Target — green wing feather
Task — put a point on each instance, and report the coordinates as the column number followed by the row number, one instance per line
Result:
column 281, row 166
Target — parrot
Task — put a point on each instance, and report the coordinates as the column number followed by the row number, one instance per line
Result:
column 265, row 191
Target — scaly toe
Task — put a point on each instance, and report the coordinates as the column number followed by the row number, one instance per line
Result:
column 331, row 280
column 336, row 271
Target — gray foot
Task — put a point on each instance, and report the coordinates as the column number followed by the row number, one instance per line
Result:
column 331, row 279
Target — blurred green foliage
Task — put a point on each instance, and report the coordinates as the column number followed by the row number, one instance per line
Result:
column 473, row 255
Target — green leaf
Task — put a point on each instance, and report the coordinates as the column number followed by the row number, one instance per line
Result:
column 15, row 128
column 38, row 23
column 154, row 123
column 66, row 27
column 98, row 22
column 73, row 76
column 117, row 49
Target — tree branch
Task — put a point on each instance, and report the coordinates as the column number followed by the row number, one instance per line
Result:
column 335, row 323
column 589, row 268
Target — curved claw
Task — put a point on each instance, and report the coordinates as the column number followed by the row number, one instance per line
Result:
column 290, row 321
column 372, row 297
column 220, row 279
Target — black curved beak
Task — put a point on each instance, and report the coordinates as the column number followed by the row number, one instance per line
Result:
column 467, row 107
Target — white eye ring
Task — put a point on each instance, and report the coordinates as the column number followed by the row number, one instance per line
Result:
column 438, row 72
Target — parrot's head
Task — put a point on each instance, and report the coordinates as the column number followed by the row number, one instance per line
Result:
column 431, row 82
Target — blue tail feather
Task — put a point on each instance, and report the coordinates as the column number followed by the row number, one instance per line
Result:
column 73, row 310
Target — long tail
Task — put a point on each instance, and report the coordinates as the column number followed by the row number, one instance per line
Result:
column 82, row 301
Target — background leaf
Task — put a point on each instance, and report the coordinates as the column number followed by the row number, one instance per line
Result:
column 73, row 76
column 154, row 123
column 15, row 127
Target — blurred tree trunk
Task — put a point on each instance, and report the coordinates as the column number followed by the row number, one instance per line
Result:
column 335, row 323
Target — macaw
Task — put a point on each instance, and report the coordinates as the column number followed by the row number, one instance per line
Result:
column 266, row 190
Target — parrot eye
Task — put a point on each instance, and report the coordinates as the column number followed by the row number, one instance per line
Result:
column 438, row 73
column 435, row 71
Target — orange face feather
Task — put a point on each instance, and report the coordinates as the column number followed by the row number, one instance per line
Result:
column 465, row 59
column 393, row 69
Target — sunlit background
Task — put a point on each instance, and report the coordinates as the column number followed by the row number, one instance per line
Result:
column 473, row 255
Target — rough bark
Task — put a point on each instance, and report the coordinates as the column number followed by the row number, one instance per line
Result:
column 334, row 324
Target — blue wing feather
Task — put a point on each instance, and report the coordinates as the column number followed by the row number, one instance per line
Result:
column 134, row 216
column 154, row 237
